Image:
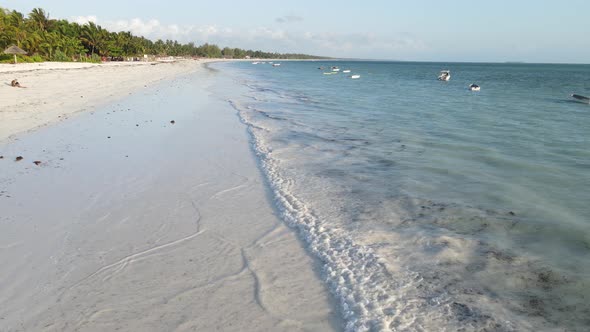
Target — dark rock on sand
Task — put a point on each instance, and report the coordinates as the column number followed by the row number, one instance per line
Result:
column 37, row 162
column 19, row 158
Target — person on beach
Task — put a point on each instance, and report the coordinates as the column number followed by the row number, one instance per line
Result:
column 15, row 84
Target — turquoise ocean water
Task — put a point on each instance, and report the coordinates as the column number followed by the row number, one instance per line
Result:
column 431, row 207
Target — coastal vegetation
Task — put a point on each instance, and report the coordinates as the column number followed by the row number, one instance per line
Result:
column 47, row 39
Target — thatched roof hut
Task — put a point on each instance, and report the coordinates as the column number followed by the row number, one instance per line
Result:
column 14, row 50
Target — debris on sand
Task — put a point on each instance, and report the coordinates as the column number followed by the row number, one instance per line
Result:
column 172, row 122
column 19, row 158
column 37, row 162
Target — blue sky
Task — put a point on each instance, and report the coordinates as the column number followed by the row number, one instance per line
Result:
column 421, row 30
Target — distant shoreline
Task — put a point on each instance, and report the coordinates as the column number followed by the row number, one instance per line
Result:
column 57, row 90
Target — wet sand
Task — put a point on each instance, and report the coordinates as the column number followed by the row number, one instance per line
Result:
column 147, row 213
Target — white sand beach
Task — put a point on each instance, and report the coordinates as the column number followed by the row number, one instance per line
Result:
column 55, row 90
column 147, row 211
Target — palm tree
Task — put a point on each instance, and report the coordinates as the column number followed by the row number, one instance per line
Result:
column 159, row 47
column 91, row 36
column 72, row 46
column 32, row 42
column 60, row 39
column 39, row 18
column 4, row 38
column 17, row 31
column 52, row 42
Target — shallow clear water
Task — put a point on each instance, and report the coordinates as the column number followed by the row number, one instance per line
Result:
column 431, row 206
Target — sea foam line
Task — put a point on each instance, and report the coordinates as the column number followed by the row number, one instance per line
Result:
column 370, row 297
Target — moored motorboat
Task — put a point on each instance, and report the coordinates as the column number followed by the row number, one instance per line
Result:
column 276, row 64
column 354, row 77
column 444, row 75
column 474, row 87
column 581, row 98
column 346, row 71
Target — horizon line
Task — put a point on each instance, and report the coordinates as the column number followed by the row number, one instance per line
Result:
column 455, row 61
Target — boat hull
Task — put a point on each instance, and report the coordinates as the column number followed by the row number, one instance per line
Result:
column 581, row 98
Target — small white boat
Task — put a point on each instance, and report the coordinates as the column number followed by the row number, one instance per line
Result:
column 444, row 75
column 474, row 87
column 354, row 77
column 331, row 73
column 276, row 64
column 335, row 69
column 346, row 71
column 255, row 63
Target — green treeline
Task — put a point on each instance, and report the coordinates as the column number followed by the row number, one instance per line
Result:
column 60, row 40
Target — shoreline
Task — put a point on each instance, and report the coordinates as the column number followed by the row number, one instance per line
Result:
column 150, row 213
column 56, row 90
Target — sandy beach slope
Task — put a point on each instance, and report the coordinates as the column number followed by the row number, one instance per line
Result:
column 55, row 90
column 133, row 223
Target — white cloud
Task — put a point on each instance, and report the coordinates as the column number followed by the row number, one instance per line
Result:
column 368, row 45
column 84, row 19
column 141, row 28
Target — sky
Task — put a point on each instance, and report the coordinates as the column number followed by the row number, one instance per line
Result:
column 546, row 31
